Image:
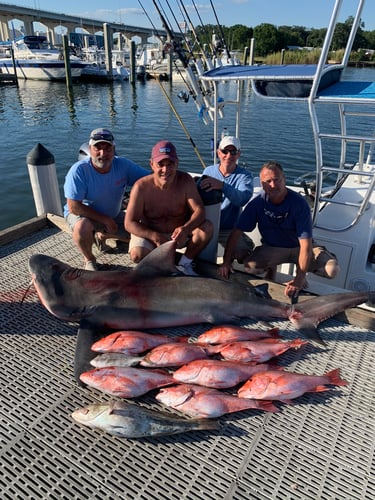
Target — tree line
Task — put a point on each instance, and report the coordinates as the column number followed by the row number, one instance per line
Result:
column 270, row 39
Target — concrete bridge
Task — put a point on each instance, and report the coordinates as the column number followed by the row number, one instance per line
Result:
column 53, row 20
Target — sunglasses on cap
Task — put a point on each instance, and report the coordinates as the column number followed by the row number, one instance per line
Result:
column 102, row 137
column 232, row 152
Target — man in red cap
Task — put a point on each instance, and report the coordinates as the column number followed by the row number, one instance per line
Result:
column 166, row 205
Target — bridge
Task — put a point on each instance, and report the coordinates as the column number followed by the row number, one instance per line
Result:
column 52, row 20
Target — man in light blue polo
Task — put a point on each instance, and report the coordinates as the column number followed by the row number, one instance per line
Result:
column 94, row 189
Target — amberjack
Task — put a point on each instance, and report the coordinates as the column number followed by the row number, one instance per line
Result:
column 155, row 295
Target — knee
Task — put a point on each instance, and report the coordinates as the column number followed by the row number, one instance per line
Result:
column 207, row 229
column 138, row 253
column 332, row 268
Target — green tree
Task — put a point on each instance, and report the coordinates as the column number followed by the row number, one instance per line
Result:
column 316, row 37
column 267, row 39
column 294, row 35
column 238, row 36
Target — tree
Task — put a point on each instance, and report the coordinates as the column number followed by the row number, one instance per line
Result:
column 267, row 39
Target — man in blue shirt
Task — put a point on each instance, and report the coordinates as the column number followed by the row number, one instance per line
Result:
column 236, row 184
column 284, row 222
column 94, row 189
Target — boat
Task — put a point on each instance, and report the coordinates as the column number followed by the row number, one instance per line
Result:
column 344, row 212
column 35, row 59
column 96, row 67
column 322, row 447
column 154, row 63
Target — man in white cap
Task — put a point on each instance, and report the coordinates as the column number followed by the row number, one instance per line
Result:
column 236, row 184
column 94, row 189
column 166, row 205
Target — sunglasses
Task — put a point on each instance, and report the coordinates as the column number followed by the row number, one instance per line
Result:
column 102, row 137
column 232, row 152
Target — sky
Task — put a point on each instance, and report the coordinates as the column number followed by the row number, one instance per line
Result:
column 307, row 13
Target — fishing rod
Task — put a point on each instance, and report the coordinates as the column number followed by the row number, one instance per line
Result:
column 213, row 50
column 221, row 32
column 192, row 91
column 205, row 105
column 182, row 125
column 207, row 60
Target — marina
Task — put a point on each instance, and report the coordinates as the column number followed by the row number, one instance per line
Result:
column 319, row 447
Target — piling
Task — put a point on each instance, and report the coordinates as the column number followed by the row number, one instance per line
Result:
column 43, row 178
column 68, row 72
column 132, row 63
column 108, row 50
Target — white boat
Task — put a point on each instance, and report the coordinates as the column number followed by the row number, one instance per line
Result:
column 35, row 59
column 96, row 66
column 344, row 214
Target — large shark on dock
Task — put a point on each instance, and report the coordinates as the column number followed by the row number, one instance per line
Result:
column 154, row 295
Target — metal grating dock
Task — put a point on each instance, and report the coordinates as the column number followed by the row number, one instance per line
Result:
column 322, row 447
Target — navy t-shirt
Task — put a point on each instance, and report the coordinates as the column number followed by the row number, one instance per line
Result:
column 279, row 225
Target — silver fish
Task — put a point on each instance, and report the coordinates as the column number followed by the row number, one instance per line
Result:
column 115, row 359
column 128, row 420
column 153, row 296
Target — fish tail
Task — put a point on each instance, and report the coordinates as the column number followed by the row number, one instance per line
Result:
column 335, row 378
column 297, row 343
column 320, row 388
column 268, row 406
column 207, row 424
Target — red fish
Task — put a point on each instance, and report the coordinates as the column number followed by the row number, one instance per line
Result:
column 126, row 382
column 132, row 342
column 258, row 350
column 216, row 373
column 202, row 402
column 173, row 355
column 228, row 333
column 285, row 386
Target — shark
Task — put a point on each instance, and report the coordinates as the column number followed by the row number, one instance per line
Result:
column 155, row 295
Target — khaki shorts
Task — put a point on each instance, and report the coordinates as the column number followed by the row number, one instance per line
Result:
column 264, row 257
column 244, row 245
column 137, row 241
column 72, row 220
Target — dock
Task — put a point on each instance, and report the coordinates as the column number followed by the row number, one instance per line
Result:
column 321, row 447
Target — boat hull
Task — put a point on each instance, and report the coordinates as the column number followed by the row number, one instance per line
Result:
column 40, row 70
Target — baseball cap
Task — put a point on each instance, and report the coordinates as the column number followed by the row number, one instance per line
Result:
column 163, row 150
column 230, row 140
column 101, row 135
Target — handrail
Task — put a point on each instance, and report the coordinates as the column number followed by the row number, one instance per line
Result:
column 362, row 208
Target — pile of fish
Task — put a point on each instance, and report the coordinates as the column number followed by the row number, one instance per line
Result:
column 155, row 295
column 191, row 375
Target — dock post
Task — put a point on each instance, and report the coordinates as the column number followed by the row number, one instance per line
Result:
column 108, row 42
column 42, row 172
column 132, row 63
column 68, row 71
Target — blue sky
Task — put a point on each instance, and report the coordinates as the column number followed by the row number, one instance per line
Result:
column 308, row 13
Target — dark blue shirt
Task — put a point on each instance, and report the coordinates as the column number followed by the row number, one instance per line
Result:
column 279, row 225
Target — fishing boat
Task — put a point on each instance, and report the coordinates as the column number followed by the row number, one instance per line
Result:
column 96, row 69
column 322, row 447
column 35, row 59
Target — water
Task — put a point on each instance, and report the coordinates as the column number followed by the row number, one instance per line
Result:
column 139, row 116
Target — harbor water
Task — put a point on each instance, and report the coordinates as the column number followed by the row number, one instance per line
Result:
column 139, row 116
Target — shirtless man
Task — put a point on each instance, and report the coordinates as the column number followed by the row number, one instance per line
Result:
column 166, row 205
